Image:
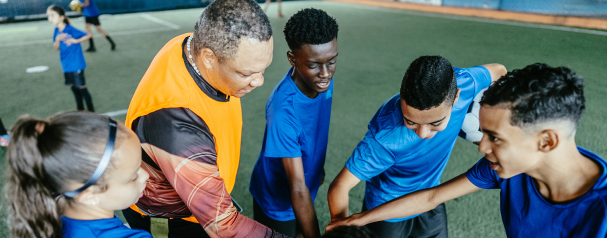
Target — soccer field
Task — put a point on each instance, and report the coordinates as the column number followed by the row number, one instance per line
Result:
column 375, row 45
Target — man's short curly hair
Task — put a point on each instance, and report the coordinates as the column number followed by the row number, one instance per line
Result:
column 429, row 82
column 539, row 93
column 310, row 27
column 225, row 22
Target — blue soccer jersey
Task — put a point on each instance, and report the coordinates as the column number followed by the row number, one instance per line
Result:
column 526, row 213
column 72, row 58
column 91, row 10
column 102, row 228
column 395, row 161
column 297, row 126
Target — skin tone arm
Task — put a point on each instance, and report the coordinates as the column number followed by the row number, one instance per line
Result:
column 411, row 204
column 86, row 3
column 300, row 198
column 496, row 71
column 338, row 193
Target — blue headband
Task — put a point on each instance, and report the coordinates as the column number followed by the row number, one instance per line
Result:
column 103, row 163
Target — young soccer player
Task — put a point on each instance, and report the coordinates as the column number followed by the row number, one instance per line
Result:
column 549, row 186
column 67, row 175
column 288, row 172
column 91, row 17
column 278, row 2
column 67, row 40
column 409, row 141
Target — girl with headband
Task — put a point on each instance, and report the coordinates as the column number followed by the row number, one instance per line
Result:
column 67, row 176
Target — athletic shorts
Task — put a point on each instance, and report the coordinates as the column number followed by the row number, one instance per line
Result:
column 432, row 223
column 288, row 228
column 75, row 79
column 164, row 227
column 92, row 20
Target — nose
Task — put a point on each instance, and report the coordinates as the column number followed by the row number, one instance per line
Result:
column 257, row 81
column 423, row 131
column 324, row 72
column 483, row 145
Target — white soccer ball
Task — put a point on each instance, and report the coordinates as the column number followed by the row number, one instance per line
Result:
column 471, row 129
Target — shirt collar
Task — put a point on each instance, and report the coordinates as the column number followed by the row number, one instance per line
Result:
column 200, row 81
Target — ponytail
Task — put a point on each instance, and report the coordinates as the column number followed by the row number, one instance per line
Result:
column 59, row 10
column 44, row 159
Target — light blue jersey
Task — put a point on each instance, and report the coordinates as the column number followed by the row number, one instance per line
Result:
column 395, row 161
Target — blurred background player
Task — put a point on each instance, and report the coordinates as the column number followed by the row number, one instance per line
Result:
column 549, row 186
column 4, row 137
column 289, row 170
column 278, row 2
column 187, row 114
column 91, row 17
column 409, row 142
column 66, row 39
column 67, row 175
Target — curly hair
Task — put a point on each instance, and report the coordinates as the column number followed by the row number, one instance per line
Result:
column 428, row 82
column 539, row 93
column 225, row 22
column 310, row 27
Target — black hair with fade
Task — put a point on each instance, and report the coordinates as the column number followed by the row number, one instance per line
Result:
column 428, row 83
column 349, row 232
column 539, row 93
column 310, row 27
column 224, row 23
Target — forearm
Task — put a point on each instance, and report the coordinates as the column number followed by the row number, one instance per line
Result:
column 305, row 214
column 56, row 45
column 408, row 205
column 81, row 39
column 339, row 200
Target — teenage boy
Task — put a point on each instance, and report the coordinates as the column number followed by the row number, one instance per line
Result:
column 288, row 172
column 409, row 142
column 549, row 186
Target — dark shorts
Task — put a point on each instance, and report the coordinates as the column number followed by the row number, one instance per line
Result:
column 432, row 223
column 92, row 20
column 288, row 228
column 75, row 79
column 176, row 228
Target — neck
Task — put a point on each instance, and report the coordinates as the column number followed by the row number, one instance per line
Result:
column 196, row 60
column 565, row 174
column 86, row 212
column 302, row 86
column 61, row 26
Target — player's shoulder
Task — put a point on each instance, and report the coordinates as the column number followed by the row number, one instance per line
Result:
column 388, row 116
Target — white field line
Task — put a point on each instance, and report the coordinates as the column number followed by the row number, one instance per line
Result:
column 478, row 19
column 119, row 33
column 159, row 21
column 115, row 113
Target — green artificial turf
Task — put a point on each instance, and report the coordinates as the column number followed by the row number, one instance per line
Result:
column 375, row 47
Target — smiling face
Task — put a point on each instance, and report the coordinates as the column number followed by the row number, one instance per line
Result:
column 314, row 67
column 509, row 148
column 243, row 73
column 126, row 181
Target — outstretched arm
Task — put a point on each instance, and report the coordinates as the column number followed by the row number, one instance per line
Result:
column 301, row 198
column 86, row 3
column 411, row 204
column 496, row 71
column 338, row 193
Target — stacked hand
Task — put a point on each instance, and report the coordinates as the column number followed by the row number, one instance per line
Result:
column 344, row 221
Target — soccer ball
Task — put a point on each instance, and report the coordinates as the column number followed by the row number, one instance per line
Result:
column 471, row 129
column 75, row 5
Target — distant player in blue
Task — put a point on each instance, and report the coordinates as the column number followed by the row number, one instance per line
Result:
column 289, row 170
column 91, row 16
column 549, row 186
column 409, row 142
column 68, row 174
column 67, row 40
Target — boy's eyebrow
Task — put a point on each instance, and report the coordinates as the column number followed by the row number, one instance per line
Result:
column 309, row 61
column 428, row 123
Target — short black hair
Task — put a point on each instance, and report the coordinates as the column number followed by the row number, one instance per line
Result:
column 539, row 93
column 349, row 232
column 429, row 82
column 310, row 27
column 225, row 22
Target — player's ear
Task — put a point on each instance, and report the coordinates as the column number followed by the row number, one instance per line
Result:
column 457, row 95
column 88, row 196
column 208, row 57
column 291, row 58
column 549, row 140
